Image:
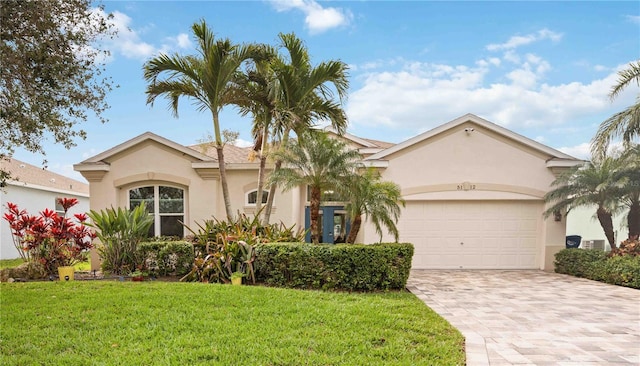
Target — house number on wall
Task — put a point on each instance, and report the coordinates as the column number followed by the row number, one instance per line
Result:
column 466, row 186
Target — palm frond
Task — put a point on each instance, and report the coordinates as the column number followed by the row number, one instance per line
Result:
column 626, row 77
column 625, row 124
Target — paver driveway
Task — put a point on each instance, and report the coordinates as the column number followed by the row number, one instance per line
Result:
column 535, row 317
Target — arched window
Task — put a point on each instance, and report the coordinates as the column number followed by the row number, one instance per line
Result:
column 252, row 197
column 166, row 204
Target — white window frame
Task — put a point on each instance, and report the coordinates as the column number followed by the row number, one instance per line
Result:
column 246, row 197
column 156, row 205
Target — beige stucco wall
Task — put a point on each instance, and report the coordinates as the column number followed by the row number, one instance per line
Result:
column 151, row 163
column 493, row 166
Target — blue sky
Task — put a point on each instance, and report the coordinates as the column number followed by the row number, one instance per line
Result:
column 542, row 69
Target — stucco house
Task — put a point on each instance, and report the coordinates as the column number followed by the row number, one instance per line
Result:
column 473, row 191
column 34, row 189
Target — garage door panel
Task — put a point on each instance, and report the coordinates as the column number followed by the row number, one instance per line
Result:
column 500, row 234
column 529, row 225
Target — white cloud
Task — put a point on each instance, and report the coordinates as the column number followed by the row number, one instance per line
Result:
column 66, row 170
column 581, row 151
column 128, row 43
column 89, row 153
column 421, row 95
column 317, row 19
column 633, row 18
column 517, row 41
column 243, row 143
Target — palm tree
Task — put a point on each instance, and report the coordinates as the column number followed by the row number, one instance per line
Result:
column 321, row 163
column 256, row 96
column 378, row 200
column 625, row 124
column 630, row 175
column 594, row 183
column 305, row 95
column 206, row 78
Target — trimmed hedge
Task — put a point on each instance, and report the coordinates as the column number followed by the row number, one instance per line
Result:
column 620, row 270
column 596, row 265
column 350, row 267
column 167, row 258
column 576, row 262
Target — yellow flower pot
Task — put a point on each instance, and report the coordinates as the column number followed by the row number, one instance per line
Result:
column 66, row 273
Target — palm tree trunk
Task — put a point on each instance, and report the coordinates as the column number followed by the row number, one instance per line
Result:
column 355, row 228
column 260, row 190
column 633, row 218
column 261, row 170
column 272, row 189
column 222, row 167
column 606, row 222
column 314, row 214
column 272, row 192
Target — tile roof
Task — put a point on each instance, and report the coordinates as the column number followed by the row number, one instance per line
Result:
column 232, row 154
column 27, row 174
column 380, row 144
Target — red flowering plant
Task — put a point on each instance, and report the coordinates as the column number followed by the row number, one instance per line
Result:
column 51, row 239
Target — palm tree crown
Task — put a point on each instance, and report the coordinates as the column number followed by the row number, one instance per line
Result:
column 206, row 78
column 624, row 124
column 595, row 183
column 304, row 95
column 320, row 163
column 379, row 201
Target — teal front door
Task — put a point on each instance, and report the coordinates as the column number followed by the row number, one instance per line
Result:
column 332, row 220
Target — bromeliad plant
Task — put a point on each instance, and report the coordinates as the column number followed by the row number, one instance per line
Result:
column 120, row 231
column 227, row 247
column 51, row 239
column 222, row 260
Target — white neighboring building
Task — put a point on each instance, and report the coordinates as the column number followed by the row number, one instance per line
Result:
column 583, row 221
column 34, row 189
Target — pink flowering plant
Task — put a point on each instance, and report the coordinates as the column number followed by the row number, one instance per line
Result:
column 51, row 239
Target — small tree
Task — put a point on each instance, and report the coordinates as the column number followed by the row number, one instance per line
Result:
column 595, row 183
column 207, row 79
column 50, row 239
column 319, row 162
column 629, row 174
column 379, row 201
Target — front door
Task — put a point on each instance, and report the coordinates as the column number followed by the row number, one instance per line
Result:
column 334, row 224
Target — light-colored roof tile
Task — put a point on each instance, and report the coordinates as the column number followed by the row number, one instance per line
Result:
column 232, row 154
column 22, row 172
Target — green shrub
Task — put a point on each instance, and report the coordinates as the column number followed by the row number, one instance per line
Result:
column 617, row 270
column 576, row 261
column 220, row 260
column 244, row 228
column 226, row 247
column 622, row 270
column 120, row 231
column 167, row 258
column 340, row 267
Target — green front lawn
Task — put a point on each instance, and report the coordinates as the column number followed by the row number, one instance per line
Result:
column 161, row 323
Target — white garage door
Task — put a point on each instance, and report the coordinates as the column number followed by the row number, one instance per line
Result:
column 480, row 235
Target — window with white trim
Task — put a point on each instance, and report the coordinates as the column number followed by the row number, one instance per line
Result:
column 165, row 204
column 251, row 198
